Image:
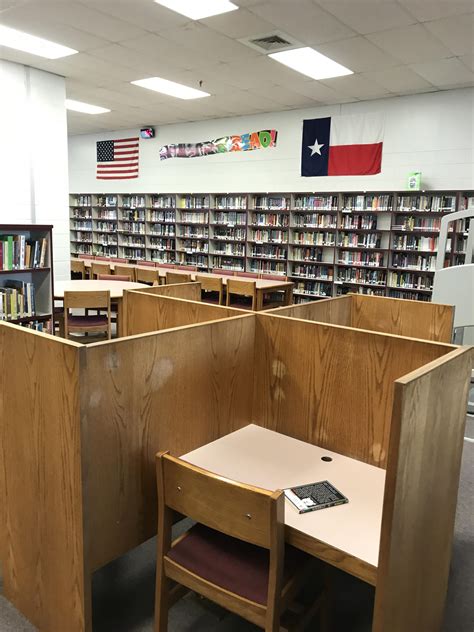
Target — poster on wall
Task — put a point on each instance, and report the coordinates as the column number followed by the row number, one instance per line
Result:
column 245, row 142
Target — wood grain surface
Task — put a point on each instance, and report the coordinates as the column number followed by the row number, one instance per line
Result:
column 336, row 311
column 421, row 490
column 332, row 386
column 41, row 522
column 189, row 291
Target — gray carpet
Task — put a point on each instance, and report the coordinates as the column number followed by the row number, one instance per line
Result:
column 123, row 591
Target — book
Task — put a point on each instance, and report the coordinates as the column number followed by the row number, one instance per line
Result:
column 315, row 496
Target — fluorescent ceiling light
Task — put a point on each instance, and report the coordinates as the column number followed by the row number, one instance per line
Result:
column 86, row 108
column 11, row 38
column 171, row 88
column 198, row 9
column 311, row 63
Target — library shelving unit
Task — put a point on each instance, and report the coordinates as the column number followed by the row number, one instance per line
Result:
column 26, row 275
column 371, row 242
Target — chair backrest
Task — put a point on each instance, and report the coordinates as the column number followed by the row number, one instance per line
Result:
column 150, row 264
column 100, row 258
column 96, row 299
column 120, row 260
column 188, row 268
column 99, row 268
column 210, row 284
column 247, row 275
column 274, row 277
column 114, row 277
column 176, row 277
column 223, row 272
column 125, row 271
column 87, row 257
column 241, row 288
column 241, row 511
column 147, row 276
column 78, row 267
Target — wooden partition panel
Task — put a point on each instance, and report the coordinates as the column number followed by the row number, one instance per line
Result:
column 420, row 497
column 173, row 390
column 336, row 311
column 41, row 519
column 148, row 312
column 188, row 291
column 416, row 319
column 332, row 386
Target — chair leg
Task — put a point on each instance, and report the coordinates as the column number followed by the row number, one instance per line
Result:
column 161, row 599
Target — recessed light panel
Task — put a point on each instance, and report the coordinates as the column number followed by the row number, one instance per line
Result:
column 85, row 108
column 309, row 62
column 171, row 88
column 198, row 9
column 11, row 38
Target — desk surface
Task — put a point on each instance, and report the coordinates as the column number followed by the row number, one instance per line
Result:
column 116, row 288
column 273, row 461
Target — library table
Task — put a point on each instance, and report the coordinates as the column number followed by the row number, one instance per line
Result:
column 348, row 535
column 115, row 288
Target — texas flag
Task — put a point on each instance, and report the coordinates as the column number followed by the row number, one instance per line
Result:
column 342, row 145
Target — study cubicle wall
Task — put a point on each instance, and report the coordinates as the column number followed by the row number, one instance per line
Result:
column 81, row 426
column 416, row 319
column 189, row 291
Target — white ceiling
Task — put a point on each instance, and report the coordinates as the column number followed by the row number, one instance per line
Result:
column 393, row 47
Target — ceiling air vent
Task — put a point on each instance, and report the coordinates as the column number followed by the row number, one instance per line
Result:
column 271, row 42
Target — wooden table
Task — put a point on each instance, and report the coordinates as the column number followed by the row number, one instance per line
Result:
column 263, row 286
column 115, row 288
column 348, row 534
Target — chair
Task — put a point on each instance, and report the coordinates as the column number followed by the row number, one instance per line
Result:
column 114, row 277
column 235, row 555
column 177, row 277
column 210, row 287
column 150, row 276
column 87, row 324
column 273, row 277
column 277, row 297
column 100, row 258
column 78, row 269
column 120, row 260
column 222, row 272
column 150, row 264
column 86, row 257
column 125, row 271
column 244, row 289
column 99, row 268
column 248, row 275
column 188, row 268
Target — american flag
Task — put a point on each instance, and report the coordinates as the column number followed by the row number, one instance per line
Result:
column 117, row 159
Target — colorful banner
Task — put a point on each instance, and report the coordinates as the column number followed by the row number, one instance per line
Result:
column 245, row 142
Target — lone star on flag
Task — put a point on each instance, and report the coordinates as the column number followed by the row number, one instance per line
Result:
column 316, row 148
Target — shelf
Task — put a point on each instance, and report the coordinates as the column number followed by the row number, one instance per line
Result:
column 321, row 229
column 226, row 254
column 359, row 265
column 399, row 269
column 315, row 211
column 409, row 289
column 279, row 259
column 309, row 278
column 25, row 270
column 375, row 285
column 27, row 319
column 273, row 226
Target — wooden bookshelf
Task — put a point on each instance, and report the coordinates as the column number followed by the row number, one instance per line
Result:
column 26, row 275
column 380, row 243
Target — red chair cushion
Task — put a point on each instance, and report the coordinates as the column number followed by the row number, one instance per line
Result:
column 230, row 563
column 87, row 321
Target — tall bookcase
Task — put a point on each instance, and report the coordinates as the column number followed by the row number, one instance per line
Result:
column 381, row 243
column 26, row 275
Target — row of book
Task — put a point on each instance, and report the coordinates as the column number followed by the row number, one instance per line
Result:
column 17, row 300
column 370, row 291
column 223, row 263
column 162, row 216
column 162, row 201
column 314, row 239
column 306, row 254
column 162, row 244
column 312, row 271
column 107, row 240
column 359, row 222
column 361, row 258
column 259, row 266
column 413, row 296
column 194, row 245
column 133, row 240
column 271, row 202
column 267, row 235
column 231, row 201
column 19, row 253
column 107, row 214
column 188, row 259
column 417, row 223
column 106, row 227
column 367, row 202
column 163, row 229
column 313, row 288
column 194, row 218
column 81, row 213
column 315, row 220
column 427, row 203
column 230, row 219
column 410, row 280
column 316, row 202
column 269, row 219
column 224, row 248
column 134, row 215
column 107, row 200
column 193, row 232
column 83, row 200
column 268, row 251
column 163, row 256
column 359, row 240
column 134, row 227
column 193, row 201
column 416, row 242
column 133, row 201
column 81, row 225
column 85, row 238
column 418, row 262
column 362, row 275
column 232, row 234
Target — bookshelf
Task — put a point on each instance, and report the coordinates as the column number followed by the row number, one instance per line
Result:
column 26, row 275
column 381, row 243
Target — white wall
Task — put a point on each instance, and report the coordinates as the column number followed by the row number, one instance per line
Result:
column 33, row 154
column 431, row 133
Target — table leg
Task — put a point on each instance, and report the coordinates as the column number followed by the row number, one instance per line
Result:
column 259, row 300
column 120, row 323
column 289, row 295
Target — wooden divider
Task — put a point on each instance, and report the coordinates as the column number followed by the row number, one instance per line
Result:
column 415, row 319
column 145, row 312
column 420, row 494
column 41, row 517
column 188, row 291
column 332, row 386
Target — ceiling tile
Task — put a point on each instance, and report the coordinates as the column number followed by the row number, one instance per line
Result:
column 320, row 92
column 368, row 16
column 358, row 54
column 143, row 13
column 424, row 10
column 446, row 72
column 399, row 80
column 468, row 60
column 237, row 24
column 457, row 33
column 410, row 44
column 309, row 24
column 357, row 86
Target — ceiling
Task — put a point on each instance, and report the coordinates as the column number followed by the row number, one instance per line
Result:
column 393, row 47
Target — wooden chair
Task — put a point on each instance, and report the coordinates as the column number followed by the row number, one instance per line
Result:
column 188, row 268
column 78, row 269
column 100, row 258
column 150, row 277
column 120, row 260
column 212, row 289
column 248, row 275
column 114, row 277
column 222, row 272
column 244, row 289
column 87, row 324
column 177, row 277
column 150, row 264
column 86, row 257
column 125, row 271
column 235, row 555
column 99, row 268
column 271, row 300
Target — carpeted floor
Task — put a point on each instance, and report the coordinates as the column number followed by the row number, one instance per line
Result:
column 123, row 591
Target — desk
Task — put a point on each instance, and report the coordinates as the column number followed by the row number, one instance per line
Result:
column 263, row 286
column 347, row 536
column 115, row 288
